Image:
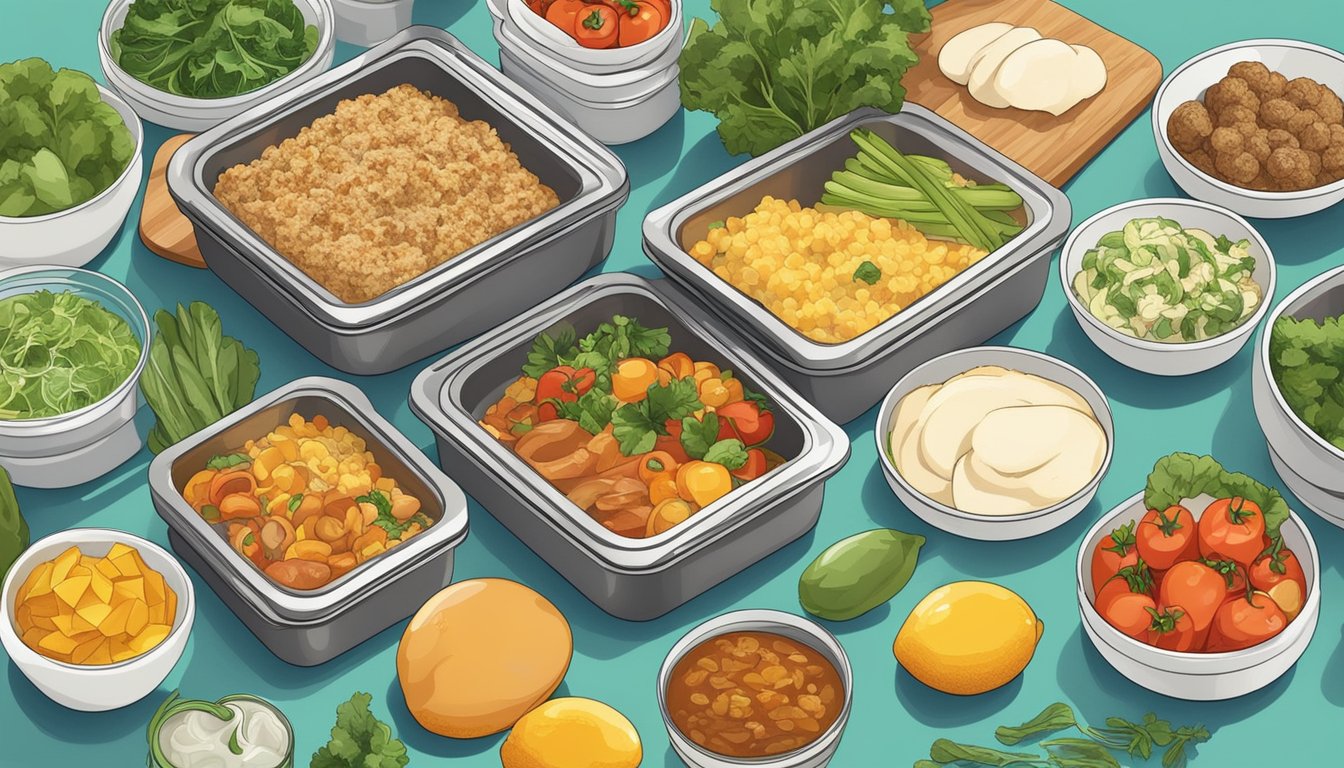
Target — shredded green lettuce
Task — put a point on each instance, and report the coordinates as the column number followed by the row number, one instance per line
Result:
column 1185, row 476
column 1306, row 359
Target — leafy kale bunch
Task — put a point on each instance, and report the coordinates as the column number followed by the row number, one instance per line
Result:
column 60, row 352
column 1307, row 360
column 212, row 49
column 772, row 70
column 360, row 740
column 60, row 143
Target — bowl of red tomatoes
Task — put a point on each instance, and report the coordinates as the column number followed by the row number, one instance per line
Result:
column 627, row 32
column 1204, row 586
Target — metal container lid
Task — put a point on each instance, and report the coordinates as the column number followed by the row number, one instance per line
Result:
column 591, row 178
column 798, row 170
column 345, row 405
column 438, row 393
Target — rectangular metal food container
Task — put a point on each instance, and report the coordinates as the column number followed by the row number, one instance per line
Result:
column 311, row 627
column 455, row 300
column 635, row 579
column 846, row 379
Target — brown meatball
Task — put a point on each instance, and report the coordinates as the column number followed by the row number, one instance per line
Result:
column 1237, row 167
column 1304, row 92
column 1332, row 160
column 1225, row 140
column 1230, row 92
column 1277, row 85
column 1276, row 113
column 1301, row 121
column 1262, row 182
column 1235, row 114
column 1278, row 137
column 1336, row 135
column 1255, row 73
column 1330, row 108
column 1285, row 163
column 1258, row 145
column 1202, row 160
column 1314, row 137
column 1189, row 125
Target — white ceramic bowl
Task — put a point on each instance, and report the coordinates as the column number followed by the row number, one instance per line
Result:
column 814, row 755
column 1155, row 357
column 989, row 527
column 548, row 41
column 98, row 688
column 369, row 22
column 1199, row 676
column 196, row 115
column 73, row 237
column 1328, row 505
column 1292, row 58
column 1312, row 458
column 76, row 447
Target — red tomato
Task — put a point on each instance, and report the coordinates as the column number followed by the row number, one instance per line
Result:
column 563, row 14
column 746, row 421
column 672, row 444
column 754, row 468
column 1234, row 576
column 1166, row 537
column 645, row 21
column 1232, row 528
column 596, row 27
column 1247, row 621
column 1172, row 629
column 1280, row 575
column 1131, row 612
column 1197, row 588
column 1129, row 579
column 1113, row 553
column 539, row 7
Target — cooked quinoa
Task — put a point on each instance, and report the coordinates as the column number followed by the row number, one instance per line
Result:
column 383, row 190
column 813, row 269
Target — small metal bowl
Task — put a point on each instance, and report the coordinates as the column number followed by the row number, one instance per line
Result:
column 1199, row 676
column 993, row 527
column 814, row 755
column 1158, row 357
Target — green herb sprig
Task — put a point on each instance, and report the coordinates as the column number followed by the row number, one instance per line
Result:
column 360, row 740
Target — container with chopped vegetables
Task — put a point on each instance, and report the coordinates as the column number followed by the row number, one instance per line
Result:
column 639, row 437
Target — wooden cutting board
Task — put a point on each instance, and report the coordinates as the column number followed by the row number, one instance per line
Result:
column 1055, row 148
column 163, row 228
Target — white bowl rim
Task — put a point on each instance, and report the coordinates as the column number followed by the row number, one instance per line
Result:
column 1124, row 644
column 114, row 536
column 1160, row 133
column 773, row 620
column 112, row 285
column 326, row 41
column 1263, row 351
column 137, row 129
column 1247, row 327
column 889, row 403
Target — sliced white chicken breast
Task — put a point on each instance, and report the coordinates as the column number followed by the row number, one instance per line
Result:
column 1063, row 447
column 1037, row 75
column 968, row 496
column 958, row 54
column 988, row 61
column 1087, row 78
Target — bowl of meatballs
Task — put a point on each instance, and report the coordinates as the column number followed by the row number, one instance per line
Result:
column 1256, row 127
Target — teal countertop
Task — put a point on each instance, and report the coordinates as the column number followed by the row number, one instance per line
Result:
column 894, row 717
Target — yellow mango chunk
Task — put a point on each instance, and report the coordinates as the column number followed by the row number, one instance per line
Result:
column 79, row 624
column 46, row 605
column 57, row 643
column 82, row 652
column 32, row 637
column 126, row 565
column 118, row 549
column 129, row 588
column 170, row 606
column 94, row 614
column 109, row 570
column 101, row 654
column 115, row 622
column 63, row 563
column 23, row 617
column 100, row 585
column 77, row 570
column 154, row 587
column 71, row 590
column 64, row 624
column 44, row 623
column 152, row 635
column 137, row 618
column 38, row 582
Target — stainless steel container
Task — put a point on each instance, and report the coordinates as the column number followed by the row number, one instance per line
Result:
column 846, row 379
column 311, row 627
column 454, row 301
column 635, row 579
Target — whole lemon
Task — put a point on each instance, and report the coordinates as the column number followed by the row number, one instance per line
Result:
column 572, row 733
column 968, row 637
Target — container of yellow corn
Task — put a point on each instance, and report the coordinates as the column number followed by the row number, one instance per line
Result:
column 312, row 517
column 842, row 300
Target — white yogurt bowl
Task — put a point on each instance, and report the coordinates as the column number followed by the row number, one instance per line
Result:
column 1156, row 357
column 1199, row 676
column 196, row 115
column 74, row 236
column 1292, row 58
column 369, row 22
column 110, row 686
column 992, row 527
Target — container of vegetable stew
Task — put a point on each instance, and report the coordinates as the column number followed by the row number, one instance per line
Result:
column 1295, row 385
column 462, row 296
column 197, row 114
column 58, row 450
column 845, row 379
column 310, row 627
column 631, row 578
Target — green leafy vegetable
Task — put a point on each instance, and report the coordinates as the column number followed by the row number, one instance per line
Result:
column 638, row 425
column 593, row 410
column 698, row 435
column 772, row 70
column 731, row 453
column 212, row 49
column 60, row 143
column 196, row 375
column 1185, row 476
column 360, row 740
column 228, row 461
column 600, row 350
column 14, row 534
column 868, row 272
column 60, row 352
column 1306, row 359
column 395, row 528
column 550, row 351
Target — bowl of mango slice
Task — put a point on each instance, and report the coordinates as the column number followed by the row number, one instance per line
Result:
column 96, row 618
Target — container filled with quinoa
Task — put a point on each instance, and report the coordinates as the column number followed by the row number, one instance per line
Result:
column 400, row 203
column 856, row 252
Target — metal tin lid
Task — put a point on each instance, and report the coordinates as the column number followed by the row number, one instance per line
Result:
column 597, row 176
column 346, row 406
column 437, row 398
column 798, row 170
